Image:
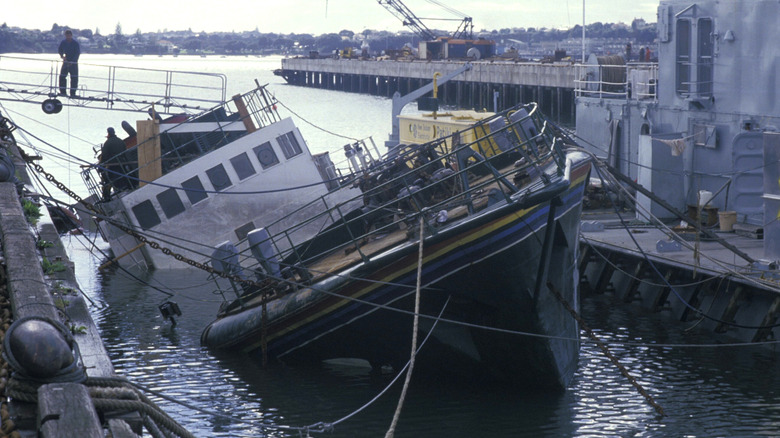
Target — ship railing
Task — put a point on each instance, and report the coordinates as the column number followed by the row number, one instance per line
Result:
column 462, row 181
column 179, row 143
column 636, row 81
column 33, row 80
column 694, row 79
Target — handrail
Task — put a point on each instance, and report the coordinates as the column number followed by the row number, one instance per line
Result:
column 112, row 87
column 344, row 227
column 230, row 125
column 638, row 81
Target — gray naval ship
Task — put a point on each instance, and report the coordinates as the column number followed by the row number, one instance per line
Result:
column 702, row 122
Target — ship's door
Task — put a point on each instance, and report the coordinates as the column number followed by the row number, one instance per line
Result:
column 748, row 183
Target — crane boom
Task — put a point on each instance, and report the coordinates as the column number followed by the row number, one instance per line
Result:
column 403, row 13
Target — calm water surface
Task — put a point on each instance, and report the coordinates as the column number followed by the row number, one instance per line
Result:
column 705, row 392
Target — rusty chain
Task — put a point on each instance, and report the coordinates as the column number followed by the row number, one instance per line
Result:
column 264, row 286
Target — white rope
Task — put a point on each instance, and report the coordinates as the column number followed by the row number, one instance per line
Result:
column 391, row 431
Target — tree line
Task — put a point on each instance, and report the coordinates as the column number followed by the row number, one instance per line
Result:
column 17, row 40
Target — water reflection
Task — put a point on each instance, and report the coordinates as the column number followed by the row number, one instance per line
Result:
column 704, row 391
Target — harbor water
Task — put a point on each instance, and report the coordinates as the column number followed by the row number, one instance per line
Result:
column 706, row 388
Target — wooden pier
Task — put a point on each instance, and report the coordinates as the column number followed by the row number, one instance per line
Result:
column 686, row 275
column 551, row 85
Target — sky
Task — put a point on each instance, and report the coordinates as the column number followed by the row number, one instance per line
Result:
column 313, row 16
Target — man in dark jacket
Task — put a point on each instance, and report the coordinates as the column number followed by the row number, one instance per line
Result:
column 69, row 52
column 111, row 160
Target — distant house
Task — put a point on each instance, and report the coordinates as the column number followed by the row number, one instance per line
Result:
column 167, row 46
column 85, row 42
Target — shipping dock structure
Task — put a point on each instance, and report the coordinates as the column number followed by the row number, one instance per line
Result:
column 491, row 85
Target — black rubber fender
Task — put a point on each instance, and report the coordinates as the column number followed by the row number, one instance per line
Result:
column 49, row 106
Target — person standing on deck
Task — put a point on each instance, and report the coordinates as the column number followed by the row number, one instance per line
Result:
column 69, row 51
column 111, row 160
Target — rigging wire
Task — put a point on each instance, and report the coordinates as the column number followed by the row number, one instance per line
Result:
column 646, row 257
column 447, row 7
column 528, row 334
column 312, row 124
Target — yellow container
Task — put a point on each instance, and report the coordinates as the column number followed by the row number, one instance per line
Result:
column 422, row 128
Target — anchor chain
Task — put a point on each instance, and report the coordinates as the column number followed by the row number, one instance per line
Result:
column 263, row 286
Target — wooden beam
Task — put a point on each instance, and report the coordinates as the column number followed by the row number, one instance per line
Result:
column 244, row 113
column 731, row 311
column 663, row 294
column 763, row 334
column 149, row 162
column 66, row 410
column 634, row 282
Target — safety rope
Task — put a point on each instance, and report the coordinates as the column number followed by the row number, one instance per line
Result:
column 391, row 431
column 604, row 349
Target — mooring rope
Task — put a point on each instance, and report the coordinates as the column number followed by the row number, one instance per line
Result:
column 391, row 431
column 606, row 350
column 108, row 394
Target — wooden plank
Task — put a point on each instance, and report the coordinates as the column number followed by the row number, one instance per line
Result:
column 149, row 163
column 120, row 429
column 244, row 113
column 65, row 410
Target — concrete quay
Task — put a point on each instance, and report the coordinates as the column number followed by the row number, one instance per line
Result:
column 551, row 85
column 56, row 374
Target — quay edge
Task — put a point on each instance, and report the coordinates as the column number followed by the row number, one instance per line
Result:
column 76, row 399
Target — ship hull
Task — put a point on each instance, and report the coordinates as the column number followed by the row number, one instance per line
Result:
column 479, row 278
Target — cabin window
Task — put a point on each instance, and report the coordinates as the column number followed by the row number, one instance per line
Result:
column 170, row 202
column 146, row 215
column 243, row 167
column 194, row 189
column 683, row 57
column 704, row 57
column 219, row 177
column 266, row 155
column 289, row 144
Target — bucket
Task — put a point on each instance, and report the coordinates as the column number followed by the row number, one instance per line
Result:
column 704, row 197
column 727, row 220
